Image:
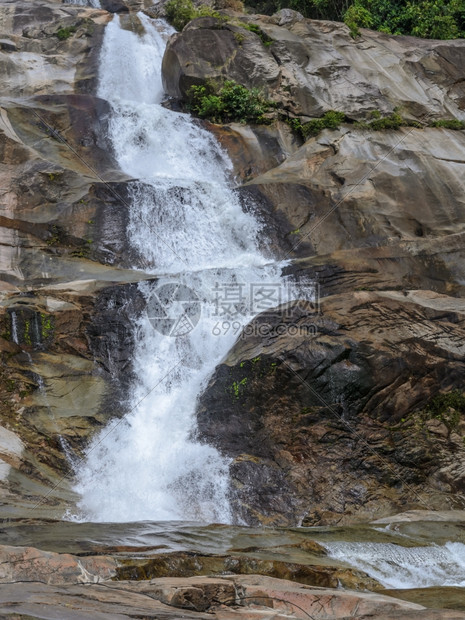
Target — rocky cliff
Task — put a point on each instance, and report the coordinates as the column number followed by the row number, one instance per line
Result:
column 326, row 410
column 326, row 420
column 65, row 351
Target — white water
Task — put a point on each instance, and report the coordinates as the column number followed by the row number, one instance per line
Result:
column 14, row 327
column 92, row 3
column 403, row 567
column 184, row 219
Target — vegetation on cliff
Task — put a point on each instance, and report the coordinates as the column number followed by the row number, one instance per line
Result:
column 181, row 12
column 436, row 19
column 229, row 103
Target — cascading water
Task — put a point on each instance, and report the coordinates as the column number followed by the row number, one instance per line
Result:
column 92, row 3
column 405, row 567
column 14, row 327
column 188, row 227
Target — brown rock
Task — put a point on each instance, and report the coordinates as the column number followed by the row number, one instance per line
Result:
column 341, row 403
column 30, row 564
column 313, row 66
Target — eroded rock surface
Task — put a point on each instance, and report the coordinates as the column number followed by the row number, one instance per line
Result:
column 65, row 335
column 51, row 582
column 326, row 425
column 309, row 67
column 321, row 425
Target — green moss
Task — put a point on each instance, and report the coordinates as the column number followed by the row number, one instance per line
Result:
column 10, row 385
column 27, row 332
column 391, row 122
column 82, row 252
column 47, row 327
column 238, row 387
column 376, row 122
column 55, row 236
column 448, row 408
column 65, row 33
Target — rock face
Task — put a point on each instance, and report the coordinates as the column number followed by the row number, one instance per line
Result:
column 309, row 67
column 65, row 331
column 324, row 417
column 50, row 582
column 321, row 425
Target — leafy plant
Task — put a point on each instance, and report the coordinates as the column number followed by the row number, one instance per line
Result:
column 448, row 408
column 181, row 12
column 266, row 40
column 438, row 19
column 449, row 124
column 230, row 103
column 330, row 120
column 358, row 17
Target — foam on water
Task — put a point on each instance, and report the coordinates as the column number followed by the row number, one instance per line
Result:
column 92, row 3
column 405, row 567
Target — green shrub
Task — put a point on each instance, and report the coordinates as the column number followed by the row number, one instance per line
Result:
column 448, row 408
column 65, row 33
column 449, row 124
column 257, row 30
column 330, row 120
column 181, row 12
column 230, row 103
column 393, row 121
column 435, row 19
column 358, row 17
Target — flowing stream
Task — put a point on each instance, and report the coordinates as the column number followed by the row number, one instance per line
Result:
column 188, row 228
column 405, row 567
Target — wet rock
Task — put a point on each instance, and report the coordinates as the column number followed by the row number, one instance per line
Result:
column 188, row 565
column 322, row 426
column 82, row 602
column 413, row 516
column 48, row 582
column 114, row 6
column 447, row 597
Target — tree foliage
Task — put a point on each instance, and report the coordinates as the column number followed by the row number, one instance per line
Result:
column 436, row 19
column 181, row 12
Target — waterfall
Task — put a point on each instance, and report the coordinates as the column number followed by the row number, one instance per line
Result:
column 14, row 327
column 189, row 229
column 405, row 567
